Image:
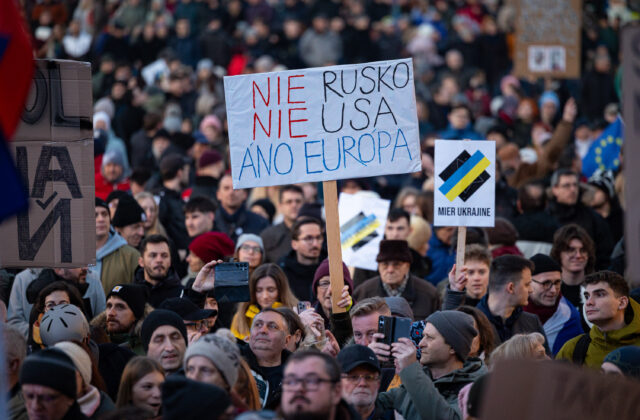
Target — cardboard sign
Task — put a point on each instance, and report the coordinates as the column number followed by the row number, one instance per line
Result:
column 465, row 186
column 53, row 148
column 322, row 124
column 548, row 38
column 631, row 111
column 528, row 390
column 363, row 218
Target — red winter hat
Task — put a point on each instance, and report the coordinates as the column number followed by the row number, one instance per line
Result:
column 212, row 246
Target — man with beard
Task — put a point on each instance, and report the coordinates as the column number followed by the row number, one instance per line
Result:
column 128, row 220
column 155, row 271
column 267, row 353
column 174, row 169
column 361, row 381
column 164, row 338
column 311, row 389
column 124, row 316
column 301, row 263
column 430, row 386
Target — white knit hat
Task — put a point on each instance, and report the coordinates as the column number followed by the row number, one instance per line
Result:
column 80, row 358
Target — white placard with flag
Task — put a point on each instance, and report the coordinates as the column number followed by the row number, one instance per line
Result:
column 465, row 184
column 363, row 218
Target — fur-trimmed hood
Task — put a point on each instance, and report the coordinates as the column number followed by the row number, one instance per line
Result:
column 100, row 320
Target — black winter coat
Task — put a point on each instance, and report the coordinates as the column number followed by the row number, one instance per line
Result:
column 170, row 287
column 300, row 276
column 242, row 221
column 171, row 216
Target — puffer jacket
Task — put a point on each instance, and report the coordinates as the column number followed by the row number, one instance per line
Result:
column 603, row 343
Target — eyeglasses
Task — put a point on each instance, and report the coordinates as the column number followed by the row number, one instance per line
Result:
column 249, row 248
column 354, row 379
column 198, row 325
column 546, row 285
column 324, row 284
column 310, row 239
column 310, row 383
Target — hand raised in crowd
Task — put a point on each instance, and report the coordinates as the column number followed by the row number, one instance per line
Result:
column 314, row 322
column 460, row 283
column 206, row 278
column 404, row 352
column 345, row 298
column 382, row 350
column 331, row 346
column 570, row 111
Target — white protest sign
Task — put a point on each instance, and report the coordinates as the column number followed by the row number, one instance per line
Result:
column 322, row 124
column 465, row 185
column 363, row 218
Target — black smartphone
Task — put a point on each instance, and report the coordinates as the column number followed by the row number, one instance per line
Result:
column 394, row 328
column 232, row 282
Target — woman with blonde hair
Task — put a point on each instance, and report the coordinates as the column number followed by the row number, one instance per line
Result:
column 420, row 235
column 141, row 385
column 268, row 288
column 152, row 225
column 518, row 347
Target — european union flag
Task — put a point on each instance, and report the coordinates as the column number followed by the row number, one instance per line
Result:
column 604, row 152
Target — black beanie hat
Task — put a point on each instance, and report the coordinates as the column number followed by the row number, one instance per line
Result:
column 134, row 295
column 115, row 195
column 185, row 399
column 394, row 250
column 544, row 264
column 50, row 367
column 101, row 203
column 158, row 318
column 128, row 212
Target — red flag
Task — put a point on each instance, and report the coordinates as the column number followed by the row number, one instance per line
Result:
column 16, row 66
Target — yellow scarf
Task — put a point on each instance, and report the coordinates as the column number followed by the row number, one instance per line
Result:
column 251, row 312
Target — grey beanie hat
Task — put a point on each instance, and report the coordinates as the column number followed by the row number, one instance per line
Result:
column 249, row 237
column 63, row 323
column 222, row 353
column 457, row 329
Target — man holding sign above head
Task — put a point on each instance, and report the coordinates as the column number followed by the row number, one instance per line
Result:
column 394, row 262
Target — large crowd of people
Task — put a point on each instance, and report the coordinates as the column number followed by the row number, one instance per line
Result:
column 146, row 332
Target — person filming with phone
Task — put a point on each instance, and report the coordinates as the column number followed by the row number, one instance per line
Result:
column 430, row 386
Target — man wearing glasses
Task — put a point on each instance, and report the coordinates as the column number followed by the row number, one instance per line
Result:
column 559, row 318
column 300, row 265
column 361, row 381
column 197, row 321
column 311, row 388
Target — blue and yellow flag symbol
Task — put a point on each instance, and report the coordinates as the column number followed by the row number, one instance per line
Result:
column 464, row 175
column 604, row 152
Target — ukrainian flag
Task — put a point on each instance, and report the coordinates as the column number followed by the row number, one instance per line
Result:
column 604, row 152
column 464, row 176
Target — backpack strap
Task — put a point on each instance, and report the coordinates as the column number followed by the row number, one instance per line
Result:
column 580, row 351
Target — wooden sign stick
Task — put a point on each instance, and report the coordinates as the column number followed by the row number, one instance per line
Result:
column 462, row 241
column 334, row 245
